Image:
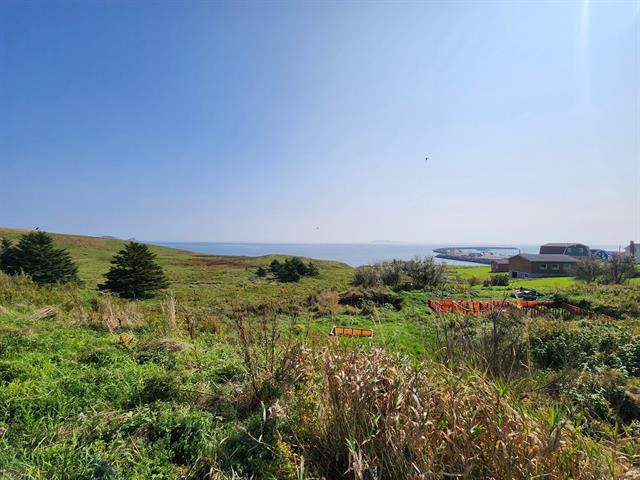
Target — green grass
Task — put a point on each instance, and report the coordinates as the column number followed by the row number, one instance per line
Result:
column 148, row 402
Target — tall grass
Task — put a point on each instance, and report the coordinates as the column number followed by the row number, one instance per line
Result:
column 376, row 416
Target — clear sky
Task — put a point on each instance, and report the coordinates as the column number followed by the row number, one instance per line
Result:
column 311, row 121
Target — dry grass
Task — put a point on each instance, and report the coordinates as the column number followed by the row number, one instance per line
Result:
column 374, row 416
column 325, row 303
column 169, row 309
column 110, row 313
column 42, row 313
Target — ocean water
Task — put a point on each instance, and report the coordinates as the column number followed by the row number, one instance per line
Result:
column 351, row 254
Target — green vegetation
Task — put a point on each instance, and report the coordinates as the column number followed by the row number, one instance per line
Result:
column 134, row 273
column 231, row 374
column 291, row 270
column 35, row 255
column 615, row 271
column 415, row 274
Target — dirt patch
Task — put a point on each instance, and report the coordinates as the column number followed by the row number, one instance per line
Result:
column 215, row 261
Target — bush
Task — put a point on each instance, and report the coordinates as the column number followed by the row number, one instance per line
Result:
column 292, row 270
column 500, row 280
column 416, row 274
column 619, row 269
column 367, row 276
column 425, row 272
column 588, row 269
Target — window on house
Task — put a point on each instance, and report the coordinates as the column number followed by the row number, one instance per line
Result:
column 555, row 266
column 543, row 266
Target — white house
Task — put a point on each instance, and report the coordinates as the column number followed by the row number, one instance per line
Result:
column 634, row 250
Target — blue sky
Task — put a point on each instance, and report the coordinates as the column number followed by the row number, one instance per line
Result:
column 310, row 121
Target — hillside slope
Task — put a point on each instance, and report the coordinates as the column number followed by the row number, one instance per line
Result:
column 188, row 272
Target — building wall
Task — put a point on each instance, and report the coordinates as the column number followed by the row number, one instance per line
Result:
column 499, row 267
column 519, row 264
column 522, row 266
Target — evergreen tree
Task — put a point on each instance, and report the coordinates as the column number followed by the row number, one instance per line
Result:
column 289, row 271
column 7, row 256
column 134, row 273
column 275, row 267
column 36, row 256
column 312, row 270
column 298, row 265
column 261, row 272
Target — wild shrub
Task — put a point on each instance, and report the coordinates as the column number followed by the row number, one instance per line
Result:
column 367, row 276
column 374, row 415
column 619, row 269
column 425, row 272
column 392, row 273
column 589, row 269
column 500, row 280
column 475, row 280
column 325, row 303
column 417, row 274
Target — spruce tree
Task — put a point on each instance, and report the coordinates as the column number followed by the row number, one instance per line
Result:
column 134, row 273
column 36, row 256
column 7, row 256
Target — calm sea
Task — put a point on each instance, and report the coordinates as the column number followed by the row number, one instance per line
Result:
column 351, row 254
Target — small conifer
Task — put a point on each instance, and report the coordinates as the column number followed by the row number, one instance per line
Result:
column 134, row 273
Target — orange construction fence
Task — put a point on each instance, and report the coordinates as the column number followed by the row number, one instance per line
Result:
column 469, row 307
column 351, row 332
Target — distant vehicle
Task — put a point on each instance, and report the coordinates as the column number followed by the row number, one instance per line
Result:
column 525, row 294
column 602, row 254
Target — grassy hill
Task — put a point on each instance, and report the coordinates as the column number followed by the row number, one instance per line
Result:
column 228, row 375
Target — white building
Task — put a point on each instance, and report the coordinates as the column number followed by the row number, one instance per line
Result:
column 634, row 250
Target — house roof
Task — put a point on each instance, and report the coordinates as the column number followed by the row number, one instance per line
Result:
column 547, row 257
column 504, row 261
column 561, row 244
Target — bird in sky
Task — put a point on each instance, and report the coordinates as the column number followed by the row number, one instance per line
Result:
column 426, row 158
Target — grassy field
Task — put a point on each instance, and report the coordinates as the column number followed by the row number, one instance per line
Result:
column 229, row 375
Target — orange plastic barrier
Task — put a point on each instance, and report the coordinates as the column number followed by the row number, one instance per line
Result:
column 468, row 307
column 351, row 332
